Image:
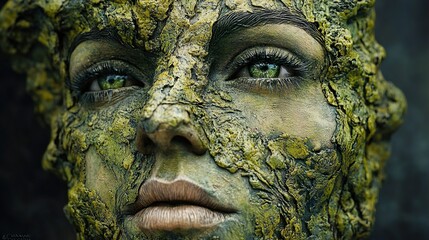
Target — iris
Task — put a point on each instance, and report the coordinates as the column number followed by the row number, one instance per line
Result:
column 112, row 82
column 264, row 70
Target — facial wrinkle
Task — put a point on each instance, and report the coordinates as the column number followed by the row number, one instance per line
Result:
column 296, row 186
column 369, row 109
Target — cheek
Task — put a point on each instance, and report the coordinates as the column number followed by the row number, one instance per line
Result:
column 101, row 146
column 302, row 113
column 100, row 178
column 106, row 136
column 291, row 176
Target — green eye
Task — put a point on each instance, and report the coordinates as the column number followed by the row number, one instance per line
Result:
column 264, row 70
column 112, row 82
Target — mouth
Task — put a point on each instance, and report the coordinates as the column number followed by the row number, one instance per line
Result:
column 178, row 205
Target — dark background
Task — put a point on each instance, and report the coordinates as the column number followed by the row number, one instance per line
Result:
column 31, row 200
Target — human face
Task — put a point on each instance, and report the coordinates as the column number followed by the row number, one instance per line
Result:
column 212, row 136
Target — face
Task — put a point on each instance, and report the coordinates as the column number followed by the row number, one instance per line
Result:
column 214, row 139
column 219, row 120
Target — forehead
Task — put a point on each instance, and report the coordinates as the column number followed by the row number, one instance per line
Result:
column 161, row 25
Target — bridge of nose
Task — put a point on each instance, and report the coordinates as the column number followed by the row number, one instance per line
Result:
column 181, row 71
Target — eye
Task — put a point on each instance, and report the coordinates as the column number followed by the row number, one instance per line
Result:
column 264, row 70
column 109, row 82
column 102, row 80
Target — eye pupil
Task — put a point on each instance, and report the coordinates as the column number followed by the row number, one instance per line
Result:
column 264, row 70
column 112, row 82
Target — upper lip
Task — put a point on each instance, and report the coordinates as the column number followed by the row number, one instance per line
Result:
column 179, row 192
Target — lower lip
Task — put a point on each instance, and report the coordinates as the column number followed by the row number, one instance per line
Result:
column 181, row 217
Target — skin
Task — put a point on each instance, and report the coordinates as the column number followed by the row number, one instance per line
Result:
column 298, row 162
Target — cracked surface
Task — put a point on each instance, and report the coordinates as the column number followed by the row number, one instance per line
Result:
column 298, row 188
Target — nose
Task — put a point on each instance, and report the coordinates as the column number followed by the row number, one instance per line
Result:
column 169, row 127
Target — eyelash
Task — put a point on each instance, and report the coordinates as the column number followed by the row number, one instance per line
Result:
column 81, row 83
column 296, row 66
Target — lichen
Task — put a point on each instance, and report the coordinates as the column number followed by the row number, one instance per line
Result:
column 307, row 192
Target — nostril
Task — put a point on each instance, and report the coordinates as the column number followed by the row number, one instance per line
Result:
column 190, row 141
column 147, row 146
column 144, row 144
column 167, row 137
column 182, row 141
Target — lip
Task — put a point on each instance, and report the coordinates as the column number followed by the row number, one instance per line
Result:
column 177, row 205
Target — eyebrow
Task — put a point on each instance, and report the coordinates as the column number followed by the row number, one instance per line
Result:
column 237, row 21
column 227, row 24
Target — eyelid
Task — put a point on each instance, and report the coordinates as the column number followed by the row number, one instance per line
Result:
column 82, row 80
column 105, row 97
column 266, row 53
column 267, row 85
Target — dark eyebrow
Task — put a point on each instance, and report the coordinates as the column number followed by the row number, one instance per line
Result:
column 234, row 22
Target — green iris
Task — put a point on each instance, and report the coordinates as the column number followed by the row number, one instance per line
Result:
column 264, row 70
column 112, row 82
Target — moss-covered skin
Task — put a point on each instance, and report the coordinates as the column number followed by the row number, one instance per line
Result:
column 311, row 174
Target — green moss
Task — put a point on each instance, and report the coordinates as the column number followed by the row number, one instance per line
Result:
column 307, row 192
column 297, row 149
column 89, row 215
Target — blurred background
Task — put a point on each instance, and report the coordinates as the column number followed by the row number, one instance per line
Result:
column 402, row 27
column 31, row 200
